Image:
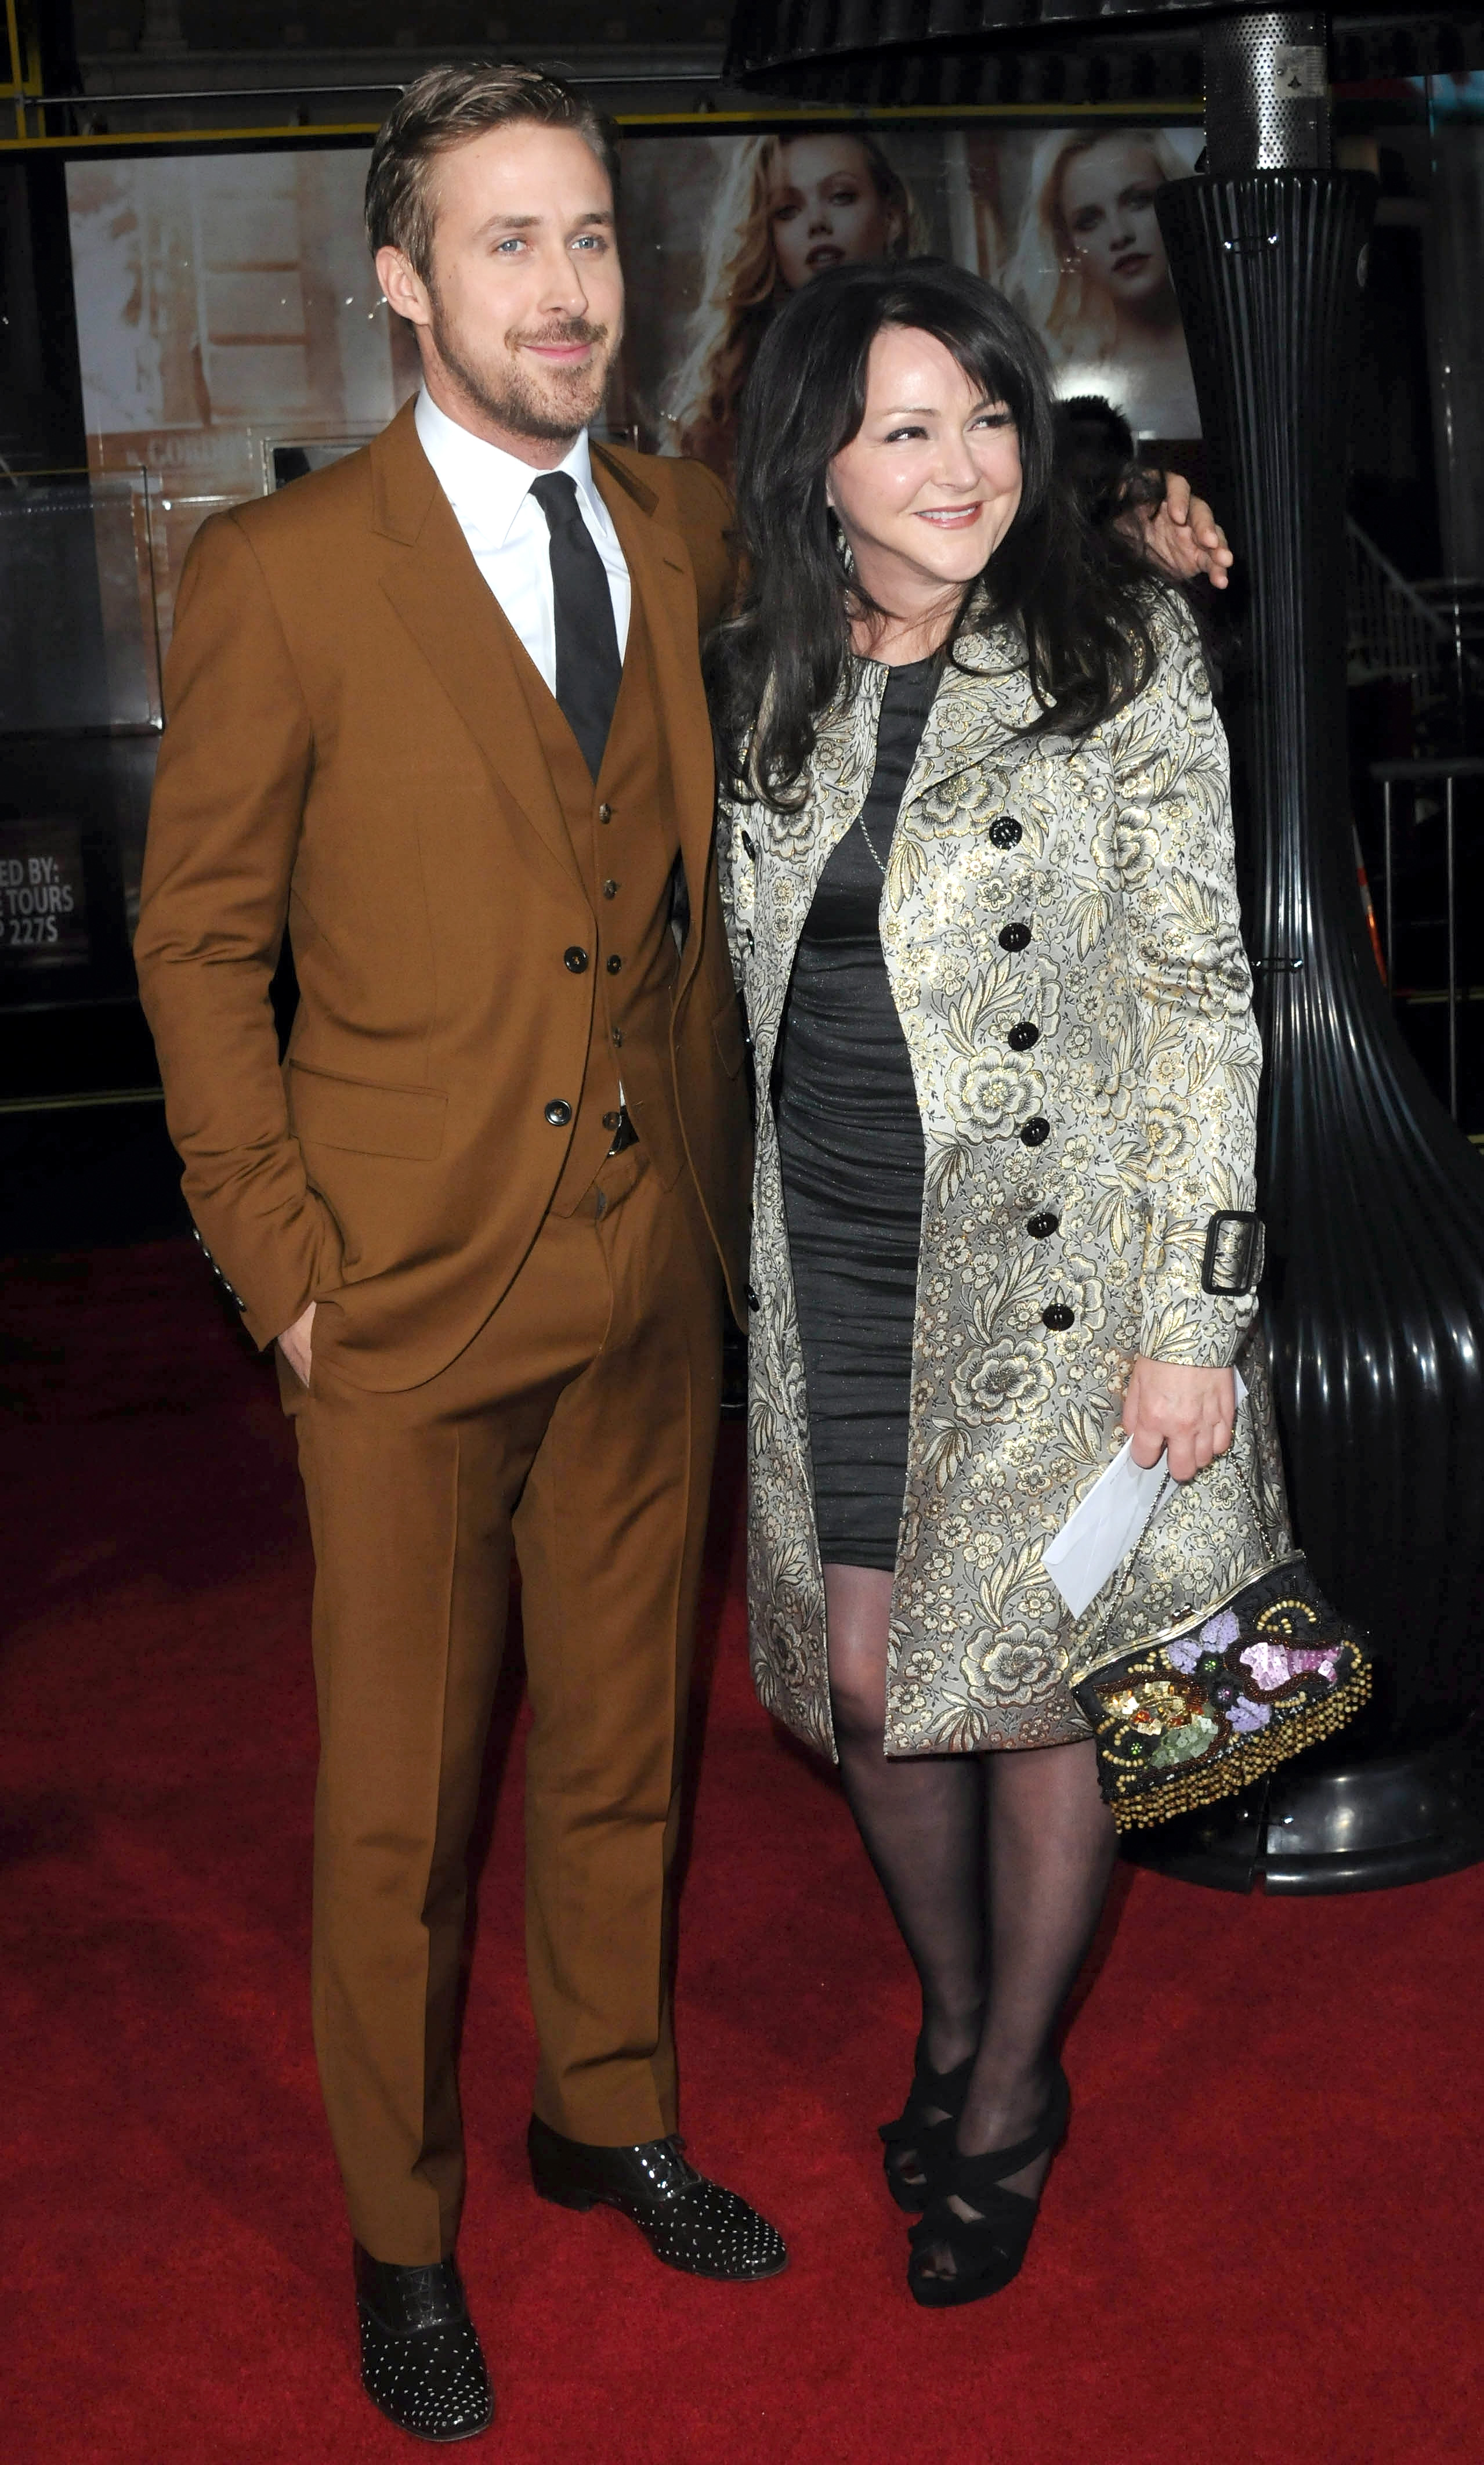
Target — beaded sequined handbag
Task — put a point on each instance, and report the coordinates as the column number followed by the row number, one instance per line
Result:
column 1237, row 1678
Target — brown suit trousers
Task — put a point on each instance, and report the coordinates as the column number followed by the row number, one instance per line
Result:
column 516, row 1333
column 578, row 1429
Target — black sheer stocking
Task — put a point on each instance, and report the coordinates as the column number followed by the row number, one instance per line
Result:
column 922, row 1826
column 1017, row 1848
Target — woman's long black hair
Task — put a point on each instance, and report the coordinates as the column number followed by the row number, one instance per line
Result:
column 1082, row 598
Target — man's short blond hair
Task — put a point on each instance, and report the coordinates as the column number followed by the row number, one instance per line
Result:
column 440, row 110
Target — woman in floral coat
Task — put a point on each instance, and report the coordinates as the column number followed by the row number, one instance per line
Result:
column 977, row 865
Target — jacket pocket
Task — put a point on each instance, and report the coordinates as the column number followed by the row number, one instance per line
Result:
column 729, row 1036
column 366, row 1120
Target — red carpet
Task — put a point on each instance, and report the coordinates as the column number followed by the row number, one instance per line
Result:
column 1261, row 2244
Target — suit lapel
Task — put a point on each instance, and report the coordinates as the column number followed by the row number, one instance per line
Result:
column 442, row 598
column 664, row 587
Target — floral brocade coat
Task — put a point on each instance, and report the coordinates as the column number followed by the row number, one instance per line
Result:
column 1061, row 929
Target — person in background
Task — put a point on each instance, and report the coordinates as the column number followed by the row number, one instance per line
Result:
column 1096, row 455
column 788, row 208
column 977, row 867
column 1090, row 273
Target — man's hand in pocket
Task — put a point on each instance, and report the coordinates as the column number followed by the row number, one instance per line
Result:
column 293, row 1345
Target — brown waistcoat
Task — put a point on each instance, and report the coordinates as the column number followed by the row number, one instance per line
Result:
column 624, row 838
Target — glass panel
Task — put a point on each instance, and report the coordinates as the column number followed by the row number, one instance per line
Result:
column 78, row 645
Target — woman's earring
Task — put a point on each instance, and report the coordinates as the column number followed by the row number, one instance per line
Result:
column 842, row 546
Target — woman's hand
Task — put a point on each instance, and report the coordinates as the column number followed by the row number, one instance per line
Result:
column 1186, row 1414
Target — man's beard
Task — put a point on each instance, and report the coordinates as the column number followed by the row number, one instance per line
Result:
column 552, row 410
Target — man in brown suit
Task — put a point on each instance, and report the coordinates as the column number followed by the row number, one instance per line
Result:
column 439, row 712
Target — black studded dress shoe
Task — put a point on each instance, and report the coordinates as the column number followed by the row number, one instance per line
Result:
column 687, row 2221
column 420, row 2357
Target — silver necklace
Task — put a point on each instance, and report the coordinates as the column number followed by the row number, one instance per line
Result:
column 871, row 844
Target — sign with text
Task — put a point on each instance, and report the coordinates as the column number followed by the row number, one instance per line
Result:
column 43, row 895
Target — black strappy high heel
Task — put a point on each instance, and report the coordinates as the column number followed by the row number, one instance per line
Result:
column 988, row 2249
column 914, row 2135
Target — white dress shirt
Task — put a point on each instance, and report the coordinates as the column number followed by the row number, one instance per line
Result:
column 490, row 492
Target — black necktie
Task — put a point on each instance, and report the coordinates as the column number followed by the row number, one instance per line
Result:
column 588, row 665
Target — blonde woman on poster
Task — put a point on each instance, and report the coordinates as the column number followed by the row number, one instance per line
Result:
column 1089, row 271
column 788, row 208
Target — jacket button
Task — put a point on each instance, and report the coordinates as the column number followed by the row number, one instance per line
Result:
column 1042, row 1226
column 559, row 1112
column 618, row 1035
column 1037, row 1128
column 1006, row 832
column 613, row 965
column 1023, row 1035
column 751, row 1298
column 610, row 890
column 575, row 959
column 1058, row 1317
column 604, row 813
column 611, row 1121
column 1015, row 937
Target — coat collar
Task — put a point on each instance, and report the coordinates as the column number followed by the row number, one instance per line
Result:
column 442, row 598
column 979, row 713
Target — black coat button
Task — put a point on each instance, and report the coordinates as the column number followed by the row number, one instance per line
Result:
column 753, row 1302
column 1006, row 832
column 1023, row 1035
column 1015, row 937
column 1037, row 1128
column 559, row 1113
column 613, row 965
column 575, row 959
column 1042, row 1226
column 1058, row 1317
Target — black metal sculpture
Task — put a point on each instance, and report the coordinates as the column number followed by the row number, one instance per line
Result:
column 1375, row 1297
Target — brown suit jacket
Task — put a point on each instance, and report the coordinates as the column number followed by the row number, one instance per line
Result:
column 350, row 749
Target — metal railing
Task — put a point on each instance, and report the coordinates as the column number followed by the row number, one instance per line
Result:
column 1426, row 633
column 1447, row 776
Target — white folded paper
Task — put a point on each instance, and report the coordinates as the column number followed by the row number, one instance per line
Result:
column 1099, row 1535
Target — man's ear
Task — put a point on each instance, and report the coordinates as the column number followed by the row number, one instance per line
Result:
column 406, row 292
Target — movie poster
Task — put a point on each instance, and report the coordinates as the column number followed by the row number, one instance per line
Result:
column 225, row 304
column 719, row 230
column 232, row 331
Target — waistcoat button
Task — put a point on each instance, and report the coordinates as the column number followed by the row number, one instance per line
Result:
column 559, row 1112
column 575, row 959
column 1058, row 1317
column 752, row 1299
column 1005, row 830
column 611, row 1121
column 610, row 890
column 1043, row 1225
column 1023, row 1035
column 1015, row 937
column 1037, row 1128
column 604, row 813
